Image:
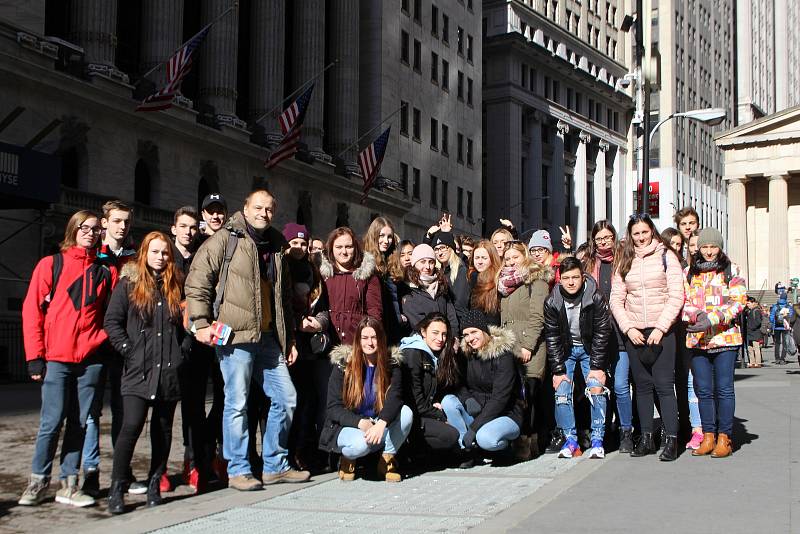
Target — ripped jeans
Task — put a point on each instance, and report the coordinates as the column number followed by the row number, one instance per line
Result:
column 565, row 414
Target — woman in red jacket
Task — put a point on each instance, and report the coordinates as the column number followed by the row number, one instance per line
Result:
column 354, row 289
column 62, row 326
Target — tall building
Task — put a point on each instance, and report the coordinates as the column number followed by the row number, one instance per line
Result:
column 696, row 40
column 767, row 57
column 555, row 116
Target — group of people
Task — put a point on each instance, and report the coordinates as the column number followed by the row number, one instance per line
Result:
column 449, row 351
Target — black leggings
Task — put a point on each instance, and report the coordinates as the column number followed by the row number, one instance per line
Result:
column 134, row 417
column 659, row 377
column 438, row 435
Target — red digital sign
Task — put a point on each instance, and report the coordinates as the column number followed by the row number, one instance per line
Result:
column 652, row 198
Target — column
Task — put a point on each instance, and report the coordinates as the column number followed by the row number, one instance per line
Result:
column 737, row 232
column 619, row 190
column 503, row 160
column 308, row 60
column 162, row 34
column 93, row 26
column 218, row 60
column 534, row 201
column 778, row 231
column 561, row 15
column 267, row 47
column 556, row 186
column 600, row 182
column 579, row 197
column 343, row 82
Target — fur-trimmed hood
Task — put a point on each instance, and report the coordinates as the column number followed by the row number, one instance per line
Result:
column 538, row 272
column 340, row 355
column 502, row 340
column 362, row 272
column 130, row 271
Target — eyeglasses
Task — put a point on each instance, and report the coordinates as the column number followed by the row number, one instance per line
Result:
column 440, row 248
column 606, row 239
column 85, row 228
column 538, row 250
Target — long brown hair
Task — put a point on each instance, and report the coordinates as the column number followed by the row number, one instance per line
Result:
column 75, row 222
column 353, row 385
column 358, row 251
column 396, row 270
column 142, row 294
column 448, row 374
column 590, row 258
column 624, row 257
column 484, row 293
column 382, row 265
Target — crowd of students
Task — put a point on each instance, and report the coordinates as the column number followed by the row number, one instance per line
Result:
column 446, row 352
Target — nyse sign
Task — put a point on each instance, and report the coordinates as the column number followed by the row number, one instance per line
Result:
column 9, row 169
column 28, row 175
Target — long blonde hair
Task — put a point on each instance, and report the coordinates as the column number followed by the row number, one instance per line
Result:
column 382, row 262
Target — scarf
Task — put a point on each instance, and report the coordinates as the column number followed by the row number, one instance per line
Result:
column 430, row 283
column 602, row 256
column 265, row 250
column 707, row 266
column 646, row 250
column 510, row 279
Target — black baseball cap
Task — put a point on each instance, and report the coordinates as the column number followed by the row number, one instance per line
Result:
column 214, row 198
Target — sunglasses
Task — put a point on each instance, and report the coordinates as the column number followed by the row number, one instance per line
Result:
column 640, row 217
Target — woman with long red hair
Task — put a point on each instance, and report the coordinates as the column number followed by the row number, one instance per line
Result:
column 365, row 403
column 144, row 324
column 484, row 265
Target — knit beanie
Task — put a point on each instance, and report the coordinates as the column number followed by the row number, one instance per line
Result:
column 422, row 252
column 294, row 230
column 710, row 236
column 541, row 238
column 443, row 238
column 475, row 318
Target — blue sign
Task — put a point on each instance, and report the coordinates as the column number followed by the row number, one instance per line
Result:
column 28, row 174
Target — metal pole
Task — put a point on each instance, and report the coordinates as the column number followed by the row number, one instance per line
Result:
column 305, row 84
column 355, row 143
column 643, row 18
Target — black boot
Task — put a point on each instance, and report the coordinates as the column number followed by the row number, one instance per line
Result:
column 645, row 446
column 626, row 440
column 670, row 452
column 116, row 497
column 154, row 490
column 556, row 442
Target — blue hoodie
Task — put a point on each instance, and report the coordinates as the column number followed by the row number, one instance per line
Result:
column 416, row 342
column 783, row 302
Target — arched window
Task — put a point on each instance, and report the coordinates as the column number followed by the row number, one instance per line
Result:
column 142, row 183
column 70, row 168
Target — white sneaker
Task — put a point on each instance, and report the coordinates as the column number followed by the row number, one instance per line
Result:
column 597, row 453
column 71, row 494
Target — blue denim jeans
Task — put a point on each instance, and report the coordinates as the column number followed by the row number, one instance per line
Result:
column 622, row 390
column 694, row 408
column 713, row 383
column 110, row 376
column 264, row 363
column 493, row 436
column 565, row 413
column 352, row 444
column 68, row 392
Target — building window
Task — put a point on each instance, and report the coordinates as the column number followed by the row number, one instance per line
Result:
column 523, row 74
column 417, row 56
column 404, row 43
column 469, row 91
column 142, row 183
column 460, row 202
column 556, row 91
column 445, row 140
column 469, row 205
column 469, row 5
column 404, row 177
column 434, row 134
column 547, row 87
column 469, row 152
column 434, row 20
column 416, row 126
column 578, row 106
column 445, row 75
column 545, row 200
column 569, row 98
column 460, row 40
column 445, row 28
column 404, row 6
column 404, row 117
column 415, row 185
column 435, row 68
column 460, row 85
column 434, row 191
column 532, row 80
column 418, row 11
column 469, row 48
column 444, row 195
column 460, row 147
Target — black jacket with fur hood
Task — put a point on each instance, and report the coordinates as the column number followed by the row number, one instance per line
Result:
column 151, row 350
column 338, row 415
column 492, row 378
column 352, row 295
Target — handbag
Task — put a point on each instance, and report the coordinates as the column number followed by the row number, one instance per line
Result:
column 791, row 346
column 320, row 343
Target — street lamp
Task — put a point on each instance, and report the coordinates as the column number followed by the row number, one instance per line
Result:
column 709, row 116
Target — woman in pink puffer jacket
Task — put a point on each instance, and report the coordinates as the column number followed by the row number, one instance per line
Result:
column 646, row 299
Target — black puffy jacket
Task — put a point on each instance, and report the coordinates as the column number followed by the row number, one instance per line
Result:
column 420, row 386
column 416, row 303
column 595, row 325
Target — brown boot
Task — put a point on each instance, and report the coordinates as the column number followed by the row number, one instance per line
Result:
column 347, row 469
column 387, row 468
column 724, row 447
column 706, row 446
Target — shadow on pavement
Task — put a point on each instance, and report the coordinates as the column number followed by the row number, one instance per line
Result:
column 741, row 436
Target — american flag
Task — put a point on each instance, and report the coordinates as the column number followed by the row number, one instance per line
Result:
column 177, row 68
column 370, row 160
column 291, row 121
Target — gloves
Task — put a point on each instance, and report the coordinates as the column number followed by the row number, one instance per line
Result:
column 472, row 406
column 702, row 323
column 469, row 440
column 36, row 367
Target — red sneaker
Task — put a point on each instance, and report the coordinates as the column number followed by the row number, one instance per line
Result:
column 164, row 484
column 194, row 476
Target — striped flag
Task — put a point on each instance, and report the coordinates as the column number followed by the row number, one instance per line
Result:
column 291, row 121
column 370, row 159
column 177, row 68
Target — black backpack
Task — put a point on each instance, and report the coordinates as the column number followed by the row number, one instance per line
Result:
column 58, row 266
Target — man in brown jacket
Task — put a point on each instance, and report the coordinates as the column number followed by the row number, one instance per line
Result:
column 256, row 305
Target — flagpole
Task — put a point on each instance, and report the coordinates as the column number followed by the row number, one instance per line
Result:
column 158, row 66
column 355, row 143
column 295, row 92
